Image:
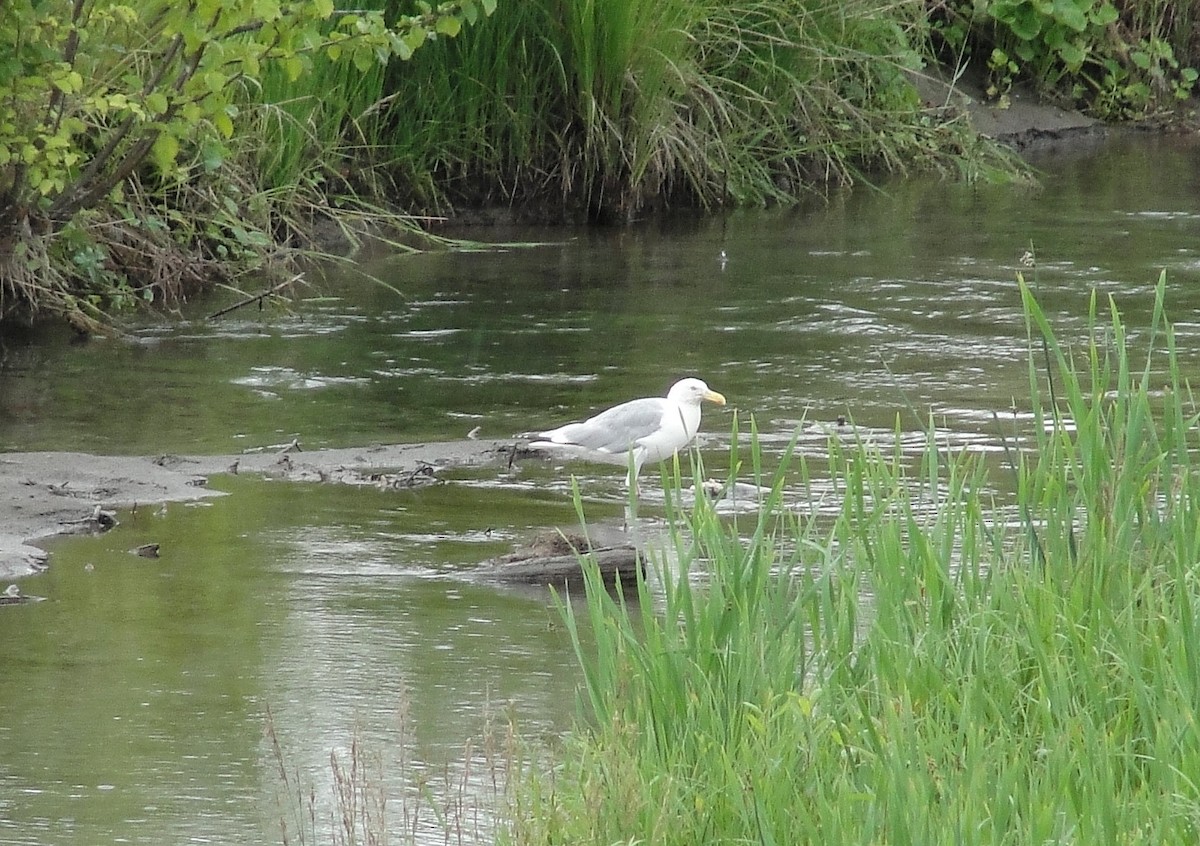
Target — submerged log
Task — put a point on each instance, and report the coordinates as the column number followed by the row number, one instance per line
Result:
column 556, row 559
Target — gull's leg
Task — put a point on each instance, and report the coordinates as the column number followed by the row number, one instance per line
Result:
column 637, row 457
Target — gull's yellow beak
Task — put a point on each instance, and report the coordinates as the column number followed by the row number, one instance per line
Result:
column 713, row 396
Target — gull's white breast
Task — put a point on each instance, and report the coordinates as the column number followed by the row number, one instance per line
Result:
column 678, row 426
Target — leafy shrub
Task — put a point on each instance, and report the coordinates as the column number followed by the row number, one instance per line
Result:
column 1122, row 59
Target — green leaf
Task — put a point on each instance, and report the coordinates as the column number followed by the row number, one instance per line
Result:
column 1070, row 14
column 206, row 10
column 293, row 67
column 213, row 155
column 224, row 124
column 363, row 60
column 156, row 103
column 70, row 83
column 415, row 37
column 1026, row 24
column 165, row 151
column 267, row 10
column 215, row 81
column 449, row 25
column 1072, row 54
column 1105, row 14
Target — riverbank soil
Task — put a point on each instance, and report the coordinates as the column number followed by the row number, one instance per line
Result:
column 1021, row 121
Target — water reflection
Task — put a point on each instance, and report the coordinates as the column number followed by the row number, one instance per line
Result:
column 145, row 683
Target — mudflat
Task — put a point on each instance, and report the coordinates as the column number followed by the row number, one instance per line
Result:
column 43, row 494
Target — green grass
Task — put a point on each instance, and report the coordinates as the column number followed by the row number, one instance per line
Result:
column 964, row 673
column 615, row 107
column 599, row 110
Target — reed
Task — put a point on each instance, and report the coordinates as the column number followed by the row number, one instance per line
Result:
column 378, row 795
column 613, row 107
column 929, row 666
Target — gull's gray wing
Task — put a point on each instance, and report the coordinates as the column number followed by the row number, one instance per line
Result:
column 614, row 430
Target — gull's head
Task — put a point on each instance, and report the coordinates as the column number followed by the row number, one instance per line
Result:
column 693, row 392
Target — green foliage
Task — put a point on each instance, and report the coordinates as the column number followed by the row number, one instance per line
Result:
column 1002, row 71
column 1121, row 59
column 112, row 107
column 614, row 107
column 1153, row 74
column 929, row 666
column 1057, row 34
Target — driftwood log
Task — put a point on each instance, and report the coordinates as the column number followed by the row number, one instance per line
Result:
column 555, row 558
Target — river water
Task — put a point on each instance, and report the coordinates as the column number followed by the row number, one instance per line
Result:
column 198, row 697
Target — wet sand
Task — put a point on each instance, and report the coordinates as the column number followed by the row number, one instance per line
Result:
column 43, row 494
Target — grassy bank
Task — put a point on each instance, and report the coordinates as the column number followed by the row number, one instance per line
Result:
column 906, row 674
column 150, row 150
column 171, row 149
column 614, row 108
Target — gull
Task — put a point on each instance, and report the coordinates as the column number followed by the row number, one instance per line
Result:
column 633, row 433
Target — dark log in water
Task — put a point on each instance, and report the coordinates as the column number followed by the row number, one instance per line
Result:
column 557, row 559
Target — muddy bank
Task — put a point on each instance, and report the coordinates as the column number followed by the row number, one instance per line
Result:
column 1023, row 121
column 43, row 494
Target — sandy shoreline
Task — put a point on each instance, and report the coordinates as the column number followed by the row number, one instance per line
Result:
column 44, row 494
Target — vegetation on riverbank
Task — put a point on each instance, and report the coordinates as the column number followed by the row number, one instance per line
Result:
column 1117, row 60
column 931, row 667
column 130, row 146
column 611, row 109
column 148, row 150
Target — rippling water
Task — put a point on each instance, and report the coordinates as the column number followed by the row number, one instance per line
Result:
column 137, row 694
